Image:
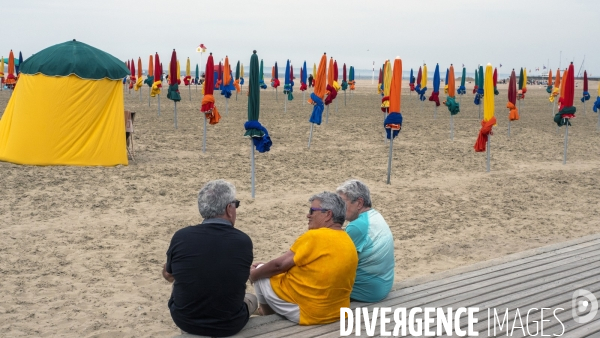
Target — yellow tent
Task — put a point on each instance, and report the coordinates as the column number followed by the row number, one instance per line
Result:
column 67, row 109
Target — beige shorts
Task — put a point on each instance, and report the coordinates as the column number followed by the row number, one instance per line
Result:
column 266, row 295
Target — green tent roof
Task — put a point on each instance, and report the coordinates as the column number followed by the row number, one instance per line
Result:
column 77, row 58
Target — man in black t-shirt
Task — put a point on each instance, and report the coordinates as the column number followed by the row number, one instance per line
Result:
column 209, row 264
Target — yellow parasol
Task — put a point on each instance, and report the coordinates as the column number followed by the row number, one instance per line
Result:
column 140, row 81
column 489, row 120
column 424, row 77
column 1, row 72
column 387, row 81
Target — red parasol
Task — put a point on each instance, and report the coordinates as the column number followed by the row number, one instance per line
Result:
column 513, row 115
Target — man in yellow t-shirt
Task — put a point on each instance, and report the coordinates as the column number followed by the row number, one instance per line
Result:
column 311, row 282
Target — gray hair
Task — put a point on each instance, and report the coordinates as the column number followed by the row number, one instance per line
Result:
column 214, row 197
column 355, row 189
column 333, row 202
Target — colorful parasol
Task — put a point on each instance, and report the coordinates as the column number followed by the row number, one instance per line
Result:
column 489, row 120
column 586, row 94
column 386, row 87
column 566, row 110
column 11, row 80
column 208, row 107
column 513, row 114
column 549, row 87
column 1, row 73
column 453, row 106
column 476, row 81
column 314, row 74
column 288, row 84
column 254, row 130
column 411, row 81
column 227, row 82
column 236, row 83
column 261, row 77
column 344, row 78
column 173, row 90
column 393, row 121
column 316, row 98
column 18, row 64
column 556, row 89
column 422, row 89
column 522, row 86
column 140, row 81
column 435, row 94
column 495, row 76
column 380, row 83
column 462, row 90
column 480, row 90
column 132, row 77
column 351, row 79
column 197, row 76
column 446, row 81
column 303, row 78
column 336, row 76
column 596, row 106
column 419, row 76
column 331, row 90
column 157, row 84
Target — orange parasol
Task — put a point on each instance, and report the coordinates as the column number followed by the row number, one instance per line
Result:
column 10, row 78
column 393, row 121
column 316, row 98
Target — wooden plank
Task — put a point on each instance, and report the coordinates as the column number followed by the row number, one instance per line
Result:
column 489, row 281
column 493, row 292
column 485, row 274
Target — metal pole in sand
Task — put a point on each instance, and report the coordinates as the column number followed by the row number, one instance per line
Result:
column 304, row 97
column 204, row 136
column 175, row 116
column 327, row 115
column 310, row 136
column 190, row 91
column 509, row 128
column 344, row 98
column 584, row 107
column 285, row 106
column 389, row 173
column 226, row 106
column 336, row 107
column 435, row 113
column 276, row 99
column 158, row 104
column 479, row 110
column 489, row 144
column 566, row 142
column 452, row 127
column 252, row 165
column 149, row 95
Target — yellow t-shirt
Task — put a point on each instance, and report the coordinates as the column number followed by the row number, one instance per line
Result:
column 322, row 279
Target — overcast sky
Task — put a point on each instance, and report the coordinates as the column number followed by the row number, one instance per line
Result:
column 514, row 33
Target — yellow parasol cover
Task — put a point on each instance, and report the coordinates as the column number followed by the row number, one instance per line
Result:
column 488, row 100
column 387, row 77
column 1, row 70
column 424, row 77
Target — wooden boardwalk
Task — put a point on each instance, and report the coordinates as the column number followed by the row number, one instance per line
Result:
column 545, row 277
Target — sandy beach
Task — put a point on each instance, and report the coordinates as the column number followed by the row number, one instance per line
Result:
column 82, row 247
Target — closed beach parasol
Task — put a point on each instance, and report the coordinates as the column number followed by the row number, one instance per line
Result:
column 423, row 89
column 344, row 82
column 150, row 78
column 453, row 106
column 566, row 110
column 132, row 75
column 11, row 80
column 140, row 80
column 288, row 84
column 335, row 83
column 446, row 81
column 435, row 94
column 236, row 82
column 275, row 79
column 489, row 120
column 303, row 84
column 393, row 121
column 261, row 77
column 480, row 90
column 18, row 64
column 173, row 91
column 227, row 84
column 411, row 82
column 157, row 84
column 351, row 80
column 259, row 136
column 386, row 87
column 316, row 98
column 197, row 76
column 419, row 76
column 462, row 90
column 596, row 107
column 549, row 87
column 331, row 90
column 513, row 114
column 496, row 92
column 1, row 73
column 208, row 107
column 187, row 80
column 586, row 94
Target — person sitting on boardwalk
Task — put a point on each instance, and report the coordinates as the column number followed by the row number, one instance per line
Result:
column 313, row 280
column 209, row 264
column 374, row 243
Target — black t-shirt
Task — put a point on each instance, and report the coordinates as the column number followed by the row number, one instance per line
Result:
column 211, row 264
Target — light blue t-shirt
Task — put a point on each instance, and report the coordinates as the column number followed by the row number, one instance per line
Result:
column 375, row 246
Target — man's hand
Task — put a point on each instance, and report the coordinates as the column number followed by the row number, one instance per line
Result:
column 169, row 277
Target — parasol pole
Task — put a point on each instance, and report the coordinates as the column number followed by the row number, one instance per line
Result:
column 226, row 106
column 252, row 164
column 344, row 98
column 480, row 109
column 489, row 143
column 204, row 136
column 336, row 106
column 175, row 116
column 149, row 95
column 304, row 97
column 435, row 113
column 509, row 128
column 566, row 142
column 389, row 173
column 452, row 127
column 190, row 91
column 276, row 99
column 327, row 115
column 158, row 104
column 285, row 106
column 310, row 136
column 140, row 94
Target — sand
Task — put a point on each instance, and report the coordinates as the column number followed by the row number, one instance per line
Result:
column 82, row 248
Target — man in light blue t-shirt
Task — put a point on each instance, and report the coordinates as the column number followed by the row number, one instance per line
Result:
column 374, row 243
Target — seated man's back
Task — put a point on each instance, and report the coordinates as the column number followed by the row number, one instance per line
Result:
column 210, row 263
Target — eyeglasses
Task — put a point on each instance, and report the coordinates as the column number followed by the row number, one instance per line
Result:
column 311, row 210
column 237, row 203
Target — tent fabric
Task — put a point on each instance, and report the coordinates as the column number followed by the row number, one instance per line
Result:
column 392, row 119
column 75, row 58
column 486, row 129
column 85, row 127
